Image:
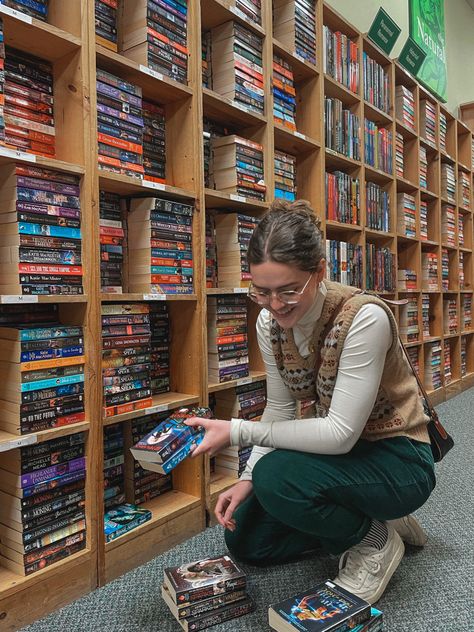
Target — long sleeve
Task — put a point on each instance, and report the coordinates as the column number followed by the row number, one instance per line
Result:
column 358, row 379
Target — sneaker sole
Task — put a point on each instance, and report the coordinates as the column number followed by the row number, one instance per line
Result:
column 390, row 571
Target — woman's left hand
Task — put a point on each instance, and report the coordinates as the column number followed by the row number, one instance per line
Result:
column 217, row 435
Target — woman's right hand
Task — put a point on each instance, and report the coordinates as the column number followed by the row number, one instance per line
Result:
column 228, row 502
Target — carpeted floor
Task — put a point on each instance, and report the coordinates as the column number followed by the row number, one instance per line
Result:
column 432, row 590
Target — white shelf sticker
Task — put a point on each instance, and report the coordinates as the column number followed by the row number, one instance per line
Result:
column 240, row 290
column 154, row 297
column 238, row 198
column 153, row 185
column 18, row 443
column 16, row 14
column 10, row 298
column 244, row 380
column 300, row 135
column 240, row 106
column 17, row 155
column 151, row 72
column 156, row 409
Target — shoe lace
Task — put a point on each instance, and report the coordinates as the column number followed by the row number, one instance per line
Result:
column 357, row 560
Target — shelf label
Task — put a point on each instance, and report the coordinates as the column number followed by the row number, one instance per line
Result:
column 412, row 57
column 244, row 380
column 18, row 443
column 240, row 106
column 17, row 155
column 238, row 198
column 10, row 298
column 240, row 290
column 151, row 72
column 153, row 185
column 16, row 14
column 154, row 297
column 300, row 135
column 157, row 409
column 384, row 31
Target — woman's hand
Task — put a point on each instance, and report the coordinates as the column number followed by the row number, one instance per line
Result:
column 217, row 435
column 228, row 502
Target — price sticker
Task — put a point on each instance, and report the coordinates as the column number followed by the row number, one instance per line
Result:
column 16, row 14
column 244, row 380
column 17, row 155
column 153, row 185
column 237, row 198
column 18, row 443
column 154, row 297
column 10, row 298
column 300, row 135
column 151, row 72
column 236, row 104
column 240, row 290
column 156, row 409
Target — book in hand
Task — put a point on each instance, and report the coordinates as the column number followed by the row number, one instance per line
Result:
column 123, row 519
column 325, row 607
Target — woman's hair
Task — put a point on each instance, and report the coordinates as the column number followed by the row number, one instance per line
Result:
column 288, row 233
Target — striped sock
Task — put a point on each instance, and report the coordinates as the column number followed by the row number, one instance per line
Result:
column 376, row 536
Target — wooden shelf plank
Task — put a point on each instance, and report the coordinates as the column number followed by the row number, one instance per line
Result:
column 254, row 376
column 213, row 291
column 127, row 185
column 9, row 299
column 9, row 441
column 9, row 155
column 219, row 483
column 302, row 69
column 226, row 111
column 216, row 12
column 218, row 199
column 332, row 88
column 132, row 297
column 293, row 142
column 162, row 402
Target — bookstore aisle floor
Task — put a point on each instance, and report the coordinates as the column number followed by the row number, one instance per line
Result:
column 432, row 590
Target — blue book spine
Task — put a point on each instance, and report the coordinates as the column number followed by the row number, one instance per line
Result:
column 179, row 456
column 49, row 354
column 26, row 228
column 44, row 333
column 52, row 383
column 120, row 530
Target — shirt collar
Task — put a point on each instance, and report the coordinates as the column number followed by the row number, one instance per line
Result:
column 314, row 312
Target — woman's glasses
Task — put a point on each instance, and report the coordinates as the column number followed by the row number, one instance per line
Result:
column 288, row 297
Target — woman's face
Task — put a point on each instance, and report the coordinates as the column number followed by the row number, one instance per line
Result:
column 281, row 277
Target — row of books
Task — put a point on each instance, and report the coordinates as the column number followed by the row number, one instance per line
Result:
column 378, row 207
column 294, row 26
column 344, row 262
column 380, row 269
column 341, row 58
column 407, row 279
column 376, row 84
column 106, row 23
column 342, row 129
column 378, row 146
column 285, row 175
column 342, row 198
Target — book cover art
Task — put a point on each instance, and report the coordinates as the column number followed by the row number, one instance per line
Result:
column 197, row 580
column 122, row 519
column 326, row 607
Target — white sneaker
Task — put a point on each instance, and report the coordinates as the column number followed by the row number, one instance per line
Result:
column 365, row 571
column 410, row 530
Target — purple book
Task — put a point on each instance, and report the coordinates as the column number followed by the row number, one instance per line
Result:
column 33, row 478
column 47, row 185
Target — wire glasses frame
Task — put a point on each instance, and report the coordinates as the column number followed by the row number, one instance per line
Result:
column 288, row 297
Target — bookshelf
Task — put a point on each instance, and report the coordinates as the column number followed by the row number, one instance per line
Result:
column 370, row 236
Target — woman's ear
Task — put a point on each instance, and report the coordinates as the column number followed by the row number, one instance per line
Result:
column 321, row 270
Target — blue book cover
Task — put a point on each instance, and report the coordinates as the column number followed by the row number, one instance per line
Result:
column 123, row 519
column 52, row 382
column 26, row 228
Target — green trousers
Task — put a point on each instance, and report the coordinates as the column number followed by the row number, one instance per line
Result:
column 303, row 501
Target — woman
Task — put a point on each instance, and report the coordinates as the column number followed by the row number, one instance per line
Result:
column 347, row 478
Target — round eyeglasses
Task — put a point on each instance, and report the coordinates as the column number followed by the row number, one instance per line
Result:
column 288, row 297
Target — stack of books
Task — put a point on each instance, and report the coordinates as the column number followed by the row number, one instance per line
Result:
column 342, row 129
column 461, row 279
column 408, row 324
column 211, row 129
column 40, row 237
column 414, row 358
column 342, row 198
column 237, row 65
column 423, row 167
column 423, row 220
column 160, row 246
column 114, row 481
column 284, row 94
column 448, row 182
column 432, row 373
column 425, row 315
column 428, row 121
column 28, row 109
column 246, row 401
column 159, row 348
column 466, row 311
column 463, row 356
column 448, row 376
column 233, row 233
column 154, row 34
column 376, row 84
column 450, row 315
column 170, row 442
column 42, row 512
column 399, row 155
column 40, row 363
column 106, row 23
column 405, row 106
column 444, row 269
column 112, row 238
column 237, row 167
column 154, row 142
column 119, row 125
column 2, row 83
column 338, row 253
column 377, row 207
column 380, row 269
column 294, row 26
column 378, row 146
column 285, row 176
column 231, row 461
column 464, row 190
column 249, row 10
column 206, row 592
column 211, row 251
column 407, row 280
column 228, row 355
column 460, row 230
column 429, row 267
column 126, row 337
column 206, row 59
column 406, row 214
column 142, row 485
column 448, row 225
column 443, row 130
column 122, row 519
column 324, row 607
column 34, row 8
column 341, row 59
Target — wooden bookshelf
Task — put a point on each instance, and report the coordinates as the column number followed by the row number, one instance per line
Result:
column 68, row 41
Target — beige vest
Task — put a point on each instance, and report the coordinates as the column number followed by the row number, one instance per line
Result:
column 398, row 410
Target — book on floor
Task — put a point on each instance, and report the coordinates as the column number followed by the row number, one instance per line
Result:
column 325, row 607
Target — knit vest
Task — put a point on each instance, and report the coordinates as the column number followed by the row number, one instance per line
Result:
column 397, row 411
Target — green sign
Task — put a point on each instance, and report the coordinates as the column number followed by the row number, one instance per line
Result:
column 384, row 31
column 412, row 57
column 428, row 30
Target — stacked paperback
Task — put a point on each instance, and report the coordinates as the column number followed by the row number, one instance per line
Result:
column 466, row 312
column 444, row 269
column 206, row 592
column 106, row 23
column 42, row 512
column 432, row 372
column 294, row 26
column 170, row 442
column 448, row 225
column 342, row 198
column 407, row 280
column 160, row 246
column 154, row 142
column 28, row 109
column 448, row 376
column 423, row 167
column 406, row 213
column 228, row 357
column 114, row 481
column 399, row 155
column 448, row 182
column 211, row 251
column 159, row 348
column 237, row 167
column 237, row 65
column 122, row 519
column 284, row 94
column 40, row 236
column 119, row 125
column 464, row 190
column 429, row 267
column 112, row 237
column 423, row 220
column 443, row 130
column 285, row 176
column 425, row 315
column 409, row 329
column 249, row 10
column 428, row 121
column 154, row 34
column 405, row 106
column 233, row 233
column 450, row 316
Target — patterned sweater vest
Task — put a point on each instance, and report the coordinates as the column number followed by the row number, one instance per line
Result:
column 397, row 411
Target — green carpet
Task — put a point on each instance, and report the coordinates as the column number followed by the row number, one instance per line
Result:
column 432, row 590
